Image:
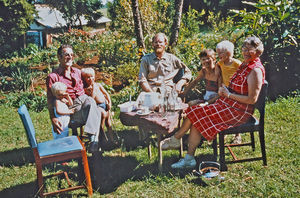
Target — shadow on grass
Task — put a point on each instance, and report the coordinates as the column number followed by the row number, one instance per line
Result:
column 107, row 172
column 16, row 157
column 23, row 190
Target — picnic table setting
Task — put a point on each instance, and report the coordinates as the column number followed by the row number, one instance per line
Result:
column 154, row 113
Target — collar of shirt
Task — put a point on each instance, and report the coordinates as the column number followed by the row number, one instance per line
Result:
column 164, row 56
column 61, row 71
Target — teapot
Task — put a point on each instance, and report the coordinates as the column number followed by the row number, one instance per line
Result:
column 149, row 99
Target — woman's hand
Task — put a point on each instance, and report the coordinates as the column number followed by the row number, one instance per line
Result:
column 223, row 91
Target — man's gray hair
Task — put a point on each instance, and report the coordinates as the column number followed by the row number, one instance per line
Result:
column 160, row 34
column 60, row 49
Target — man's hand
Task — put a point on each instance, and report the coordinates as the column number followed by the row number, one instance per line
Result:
column 179, row 86
column 56, row 125
column 145, row 86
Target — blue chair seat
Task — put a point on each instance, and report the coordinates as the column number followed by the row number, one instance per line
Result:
column 61, row 145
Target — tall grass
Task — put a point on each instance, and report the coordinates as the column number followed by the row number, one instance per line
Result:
column 128, row 172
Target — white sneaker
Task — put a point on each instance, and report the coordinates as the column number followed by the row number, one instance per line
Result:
column 170, row 143
column 186, row 162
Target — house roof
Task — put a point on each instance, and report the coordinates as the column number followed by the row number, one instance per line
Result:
column 52, row 18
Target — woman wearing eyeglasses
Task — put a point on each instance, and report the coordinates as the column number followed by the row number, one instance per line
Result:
column 234, row 107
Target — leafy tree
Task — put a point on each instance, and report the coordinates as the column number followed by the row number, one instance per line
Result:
column 72, row 10
column 15, row 19
column 155, row 17
column 215, row 6
column 277, row 24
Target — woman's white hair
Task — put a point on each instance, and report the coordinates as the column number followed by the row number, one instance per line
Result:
column 226, row 46
column 58, row 86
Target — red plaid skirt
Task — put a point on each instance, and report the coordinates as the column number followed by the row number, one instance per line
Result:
column 223, row 114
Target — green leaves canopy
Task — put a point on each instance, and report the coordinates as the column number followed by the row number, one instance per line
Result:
column 15, row 19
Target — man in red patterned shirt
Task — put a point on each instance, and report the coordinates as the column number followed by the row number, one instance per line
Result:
column 86, row 111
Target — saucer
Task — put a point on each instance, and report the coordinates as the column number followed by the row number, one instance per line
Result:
column 139, row 112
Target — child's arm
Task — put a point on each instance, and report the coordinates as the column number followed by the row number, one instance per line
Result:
column 62, row 108
column 106, row 95
column 194, row 82
column 218, row 73
column 69, row 100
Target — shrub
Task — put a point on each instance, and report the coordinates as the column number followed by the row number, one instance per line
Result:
column 36, row 101
column 18, row 78
column 114, row 50
column 277, row 24
column 127, row 72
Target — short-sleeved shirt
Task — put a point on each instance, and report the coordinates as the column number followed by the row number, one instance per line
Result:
column 229, row 70
column 74, row 85
column 154, row 70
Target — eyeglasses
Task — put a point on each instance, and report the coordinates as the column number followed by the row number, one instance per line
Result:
column 245, row 49
column 67, row 54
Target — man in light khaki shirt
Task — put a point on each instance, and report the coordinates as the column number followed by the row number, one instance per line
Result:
column 161, row 66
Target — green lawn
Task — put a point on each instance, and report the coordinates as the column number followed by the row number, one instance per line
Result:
column 127, row 171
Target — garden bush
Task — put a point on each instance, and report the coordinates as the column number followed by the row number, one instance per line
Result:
column 36, row 101
column 277, row 24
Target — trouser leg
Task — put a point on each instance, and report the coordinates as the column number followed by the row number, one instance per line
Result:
column 86, row 114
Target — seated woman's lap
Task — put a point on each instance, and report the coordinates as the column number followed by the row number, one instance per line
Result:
column 211, row 119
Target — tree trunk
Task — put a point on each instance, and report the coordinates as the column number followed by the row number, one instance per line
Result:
column 137, row 24
column 176, row 23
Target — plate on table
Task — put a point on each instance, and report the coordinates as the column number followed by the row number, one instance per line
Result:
column 140, row 112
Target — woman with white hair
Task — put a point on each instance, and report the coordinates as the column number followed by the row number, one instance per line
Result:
column 234, row 107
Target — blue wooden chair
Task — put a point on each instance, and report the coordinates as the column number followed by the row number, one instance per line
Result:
column 54, row 151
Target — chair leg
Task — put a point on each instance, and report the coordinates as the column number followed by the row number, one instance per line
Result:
column 160, row 154
column 74, row 131
column 263, row 146
column 252, row 141
column 40, row 178
column 215, row 148
column 87, row 173
column 222, row 152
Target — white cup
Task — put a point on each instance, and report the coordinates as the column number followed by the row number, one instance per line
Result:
column 144, row 109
